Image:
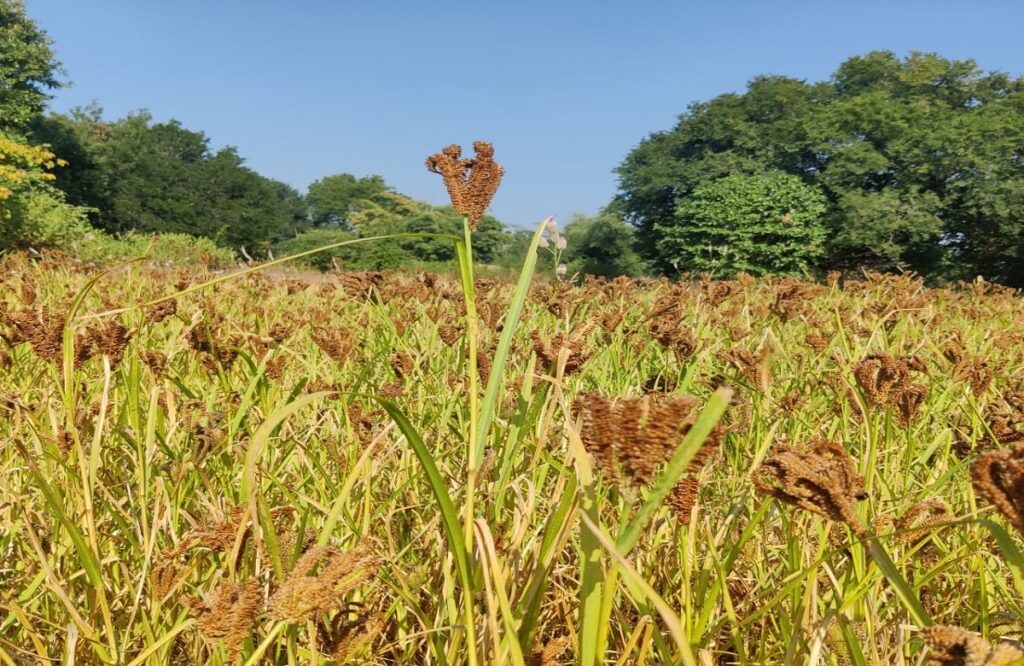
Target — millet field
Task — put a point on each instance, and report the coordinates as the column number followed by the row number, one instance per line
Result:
column 403, row 468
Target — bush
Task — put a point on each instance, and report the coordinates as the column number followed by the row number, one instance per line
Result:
column 171, row 249
column 33, row 213
column 374, row 255
column 762, row 224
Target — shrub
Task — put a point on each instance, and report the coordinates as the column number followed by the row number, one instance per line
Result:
column 171, row 249
column 761, row 224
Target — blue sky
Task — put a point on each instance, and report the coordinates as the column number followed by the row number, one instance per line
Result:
column 564, row 90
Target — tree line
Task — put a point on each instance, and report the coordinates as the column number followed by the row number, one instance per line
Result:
column 913, row 163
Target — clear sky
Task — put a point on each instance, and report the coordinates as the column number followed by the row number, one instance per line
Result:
column 564, row 89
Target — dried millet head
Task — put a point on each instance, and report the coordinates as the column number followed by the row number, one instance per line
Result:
column 638, row 435
column 998, row 477
column 471, row 183
column 304, row 595
column 955, row 646
column 819, row 477
column 228, row 612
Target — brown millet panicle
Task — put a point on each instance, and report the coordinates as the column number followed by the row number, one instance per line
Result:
column 41, row 327
column 955, row 646
column 819, row 477
column 336, row 343
column 548, row 350
column 228, row 612
column 484, row 179
column 998, row 477
column 402, row 364
column 551, row 653
column 882, row 377
column 452, row 168
column 305, row 595
column 920, row 520
column 471, row 183
column 109, row 339
column 641, row 434
column 347, row 640
column 157, row 313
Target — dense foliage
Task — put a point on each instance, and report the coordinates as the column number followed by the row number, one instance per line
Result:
column 760, row 224
column 32, row 211
column 140, row 175
column 919, row 159
column 28, row 68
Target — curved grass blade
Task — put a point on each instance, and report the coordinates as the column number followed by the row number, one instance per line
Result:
column 449, row 516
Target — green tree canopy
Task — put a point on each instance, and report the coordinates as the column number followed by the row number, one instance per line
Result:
column 332, row 200
column 28, row 68
column 762, row 224
column 161, row 177
column 919, row 159
column 601, row 245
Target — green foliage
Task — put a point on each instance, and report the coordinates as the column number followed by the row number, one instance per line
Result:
column 33, row 213
column 364, row 256
column 165, row 249
column 918, row 158
column 755, row 224
column 27, row 67
column 601, row 245
column 333, row 199
column 162, row 178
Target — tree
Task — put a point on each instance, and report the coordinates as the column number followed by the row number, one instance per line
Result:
column 601, row 245
column 143, row 176
column 918, row 158
column 334, row 198
column 32, row 211
column 27, row 68
column 763, row 224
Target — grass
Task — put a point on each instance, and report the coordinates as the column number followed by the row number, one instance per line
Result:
column 332, row 445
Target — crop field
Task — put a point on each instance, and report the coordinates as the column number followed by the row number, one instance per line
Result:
column 270, row 469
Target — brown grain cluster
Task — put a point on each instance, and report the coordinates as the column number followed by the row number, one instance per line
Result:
column 307, row 595
column 229, row 612
column 471, row 183
column 998, row 477
column 955, row 646
column 551, row 653
column 638, row 435
column 549, row 349
column 887, row 381
column 818, row 477
column 346, row 640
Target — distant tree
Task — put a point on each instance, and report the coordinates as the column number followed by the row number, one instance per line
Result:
column 764, row 224
column 160, row 177
column 601, row 245
column 918, row 158
column 28, row 68
column 334, row 198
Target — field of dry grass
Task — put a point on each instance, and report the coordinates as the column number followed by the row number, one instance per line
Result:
column 708, row 472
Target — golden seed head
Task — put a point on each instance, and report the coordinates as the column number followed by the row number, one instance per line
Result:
column 471, row 183
column 955, row 646
column 307, row 596
column 228, row 612
column 819, row 477
column 998, row 478
column 638, row 435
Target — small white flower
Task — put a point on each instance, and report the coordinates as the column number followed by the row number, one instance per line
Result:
column 551, row 225
column 560, row 243
column 543, row 242
column 562, row 269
